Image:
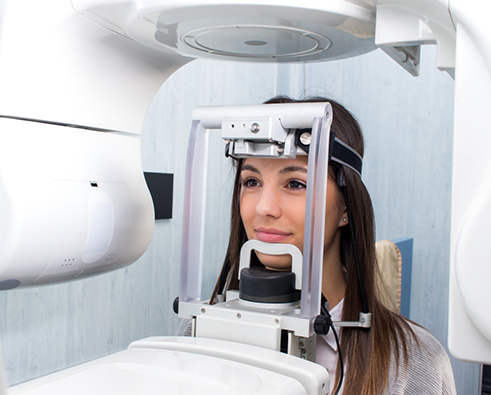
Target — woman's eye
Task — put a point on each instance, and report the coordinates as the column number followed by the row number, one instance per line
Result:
column 295, row 184
column 250, row 183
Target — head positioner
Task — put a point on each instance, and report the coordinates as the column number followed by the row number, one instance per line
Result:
column 266, row 137
column 265, row 131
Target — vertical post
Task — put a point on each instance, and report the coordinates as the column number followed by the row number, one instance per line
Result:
column 315, row 209
column 194, row 214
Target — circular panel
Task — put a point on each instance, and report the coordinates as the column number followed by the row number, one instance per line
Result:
column 256, row 31
column 256, row 41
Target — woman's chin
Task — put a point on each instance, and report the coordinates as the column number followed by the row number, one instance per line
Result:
column 277, row 262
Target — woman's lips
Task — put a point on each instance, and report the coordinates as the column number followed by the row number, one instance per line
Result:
column 271, row 235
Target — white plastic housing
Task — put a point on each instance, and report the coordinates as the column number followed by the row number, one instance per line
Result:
column 57, row 66
column 185, row 366
column 417, row 22
column 74, row 203
column 251, row 30
column 461, row 30
column 469, row 335
column 62, row 69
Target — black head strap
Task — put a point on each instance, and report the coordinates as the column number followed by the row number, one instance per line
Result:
column 338, row 151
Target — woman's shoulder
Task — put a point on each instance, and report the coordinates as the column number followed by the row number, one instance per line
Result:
column 427, row 369
column 424, row 343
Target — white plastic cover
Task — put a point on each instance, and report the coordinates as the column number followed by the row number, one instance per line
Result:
column 185, row 366
column 73, row 203
column 251, row 30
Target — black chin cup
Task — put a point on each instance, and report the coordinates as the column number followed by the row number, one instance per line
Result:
column 258, row 284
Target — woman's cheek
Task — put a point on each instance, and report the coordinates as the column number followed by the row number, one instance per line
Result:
column 246, row 218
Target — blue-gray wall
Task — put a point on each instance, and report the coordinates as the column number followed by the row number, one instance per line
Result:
column 408, row 127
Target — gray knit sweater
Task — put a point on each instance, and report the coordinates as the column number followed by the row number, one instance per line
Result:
column 428, row 370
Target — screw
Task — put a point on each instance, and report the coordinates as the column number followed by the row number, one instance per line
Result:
column 255, row 128
column 305, row 138
column 203, row 310
column 276, row 320
column 239, row 315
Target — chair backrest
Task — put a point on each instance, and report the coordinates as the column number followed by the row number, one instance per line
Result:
column 395, row 263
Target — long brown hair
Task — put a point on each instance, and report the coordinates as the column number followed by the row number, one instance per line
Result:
column 368, row 351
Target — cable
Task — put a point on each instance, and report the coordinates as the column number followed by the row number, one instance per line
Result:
column 340, row 359
column 341, row 181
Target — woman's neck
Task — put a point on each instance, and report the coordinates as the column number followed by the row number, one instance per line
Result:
column 333, row 281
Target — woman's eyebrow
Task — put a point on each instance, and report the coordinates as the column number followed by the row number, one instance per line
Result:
column 250, row 168
column 291, row 169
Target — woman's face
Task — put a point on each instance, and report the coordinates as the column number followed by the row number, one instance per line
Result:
column 272, row 205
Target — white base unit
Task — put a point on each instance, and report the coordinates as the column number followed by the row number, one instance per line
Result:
column 182, row 365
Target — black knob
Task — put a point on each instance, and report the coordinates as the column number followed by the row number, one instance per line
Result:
column 322, row 324
column 175, row 305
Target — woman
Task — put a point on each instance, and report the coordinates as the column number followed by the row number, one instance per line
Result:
column 394, row 356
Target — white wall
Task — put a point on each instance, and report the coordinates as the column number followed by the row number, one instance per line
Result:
column 408, row 127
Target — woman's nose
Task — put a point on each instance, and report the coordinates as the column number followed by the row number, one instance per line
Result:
column 269, row 204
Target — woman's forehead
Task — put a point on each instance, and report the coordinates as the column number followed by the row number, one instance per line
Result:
column 267, row 164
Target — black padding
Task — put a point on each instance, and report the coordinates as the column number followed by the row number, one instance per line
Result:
column 346, row 155
column 338, row 151
column 258, row 284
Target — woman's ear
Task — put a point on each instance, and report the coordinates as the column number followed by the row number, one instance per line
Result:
column 344, row 218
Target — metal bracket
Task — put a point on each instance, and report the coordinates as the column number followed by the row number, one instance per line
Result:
column 365, row 321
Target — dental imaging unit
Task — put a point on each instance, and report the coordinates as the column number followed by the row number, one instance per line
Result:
column 77, row 78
